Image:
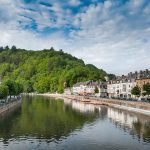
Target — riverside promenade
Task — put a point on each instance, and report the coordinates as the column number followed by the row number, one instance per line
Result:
column 137, row 107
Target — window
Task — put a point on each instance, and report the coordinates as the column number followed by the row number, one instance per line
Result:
column 124, row 88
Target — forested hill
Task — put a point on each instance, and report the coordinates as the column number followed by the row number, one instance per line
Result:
column 46, row 70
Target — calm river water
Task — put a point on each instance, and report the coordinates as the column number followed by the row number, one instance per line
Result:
column 46, row 124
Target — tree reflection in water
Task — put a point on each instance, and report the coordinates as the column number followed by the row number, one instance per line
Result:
column 53, row 120
column 43, row 118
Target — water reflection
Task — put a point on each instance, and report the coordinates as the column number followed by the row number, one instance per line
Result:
column 43, row 119
column 44, row 123
column 123, row 118
column 81, row 106
column 135, row 124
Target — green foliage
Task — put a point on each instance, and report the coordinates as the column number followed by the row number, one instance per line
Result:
column 13, row 48
column 146, row 89
column 96, row 90
column 42, row 85
column 136, row 91
column 11, row 87
column 14, row 88
column 18, row 88
column 3, row 91
column 46, row 70
column 111, row 76
column 60, row 89
column 28, row 87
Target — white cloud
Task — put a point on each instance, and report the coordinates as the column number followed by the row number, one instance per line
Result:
column 30, row 40
column 74, row 2
column 112, row 36
column 116, row 43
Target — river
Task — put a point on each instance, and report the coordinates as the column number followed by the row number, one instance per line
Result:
column 44, row 123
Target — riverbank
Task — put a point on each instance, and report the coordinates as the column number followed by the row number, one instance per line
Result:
column 137, row 107
column 12, row 105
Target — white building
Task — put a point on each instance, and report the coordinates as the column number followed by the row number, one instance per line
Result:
column 88, row 88
column 121, row 88
column 102, row 87
column 84, row 88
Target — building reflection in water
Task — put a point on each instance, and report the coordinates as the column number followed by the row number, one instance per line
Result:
column 135, row 124
column 121, row 117
column 81, row 106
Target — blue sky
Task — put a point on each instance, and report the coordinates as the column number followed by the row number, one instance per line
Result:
column 112, row 34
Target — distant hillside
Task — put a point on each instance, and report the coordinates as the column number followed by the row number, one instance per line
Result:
column 46, row 70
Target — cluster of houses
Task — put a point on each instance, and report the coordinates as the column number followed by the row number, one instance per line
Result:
column 120, row 87
column 89, row 88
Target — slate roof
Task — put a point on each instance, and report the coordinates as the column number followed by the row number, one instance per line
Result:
column 132, row 76
column 89, row 83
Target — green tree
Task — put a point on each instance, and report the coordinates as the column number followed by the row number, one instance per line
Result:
column 18, row 88
column 60, row 89
column 111, row 76
column 13, row 48
column 42, row 85
column 3, row 91
column 96, row 90
column 51, row 49
column 146, row 89
column 7, row 47
column 136, row 91
column 28, row 87
column 14, row 88
column 1, row 48
column 45, row 70
column 11, row 87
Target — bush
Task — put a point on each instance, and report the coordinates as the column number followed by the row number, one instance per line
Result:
column 136, row 91
column 3, row 91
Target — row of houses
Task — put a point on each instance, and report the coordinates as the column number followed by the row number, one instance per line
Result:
column 89, row 88
column 120, row 87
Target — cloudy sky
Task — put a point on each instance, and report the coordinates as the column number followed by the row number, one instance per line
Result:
column 112, row 34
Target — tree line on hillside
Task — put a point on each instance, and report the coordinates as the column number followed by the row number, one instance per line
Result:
column 45, row 70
